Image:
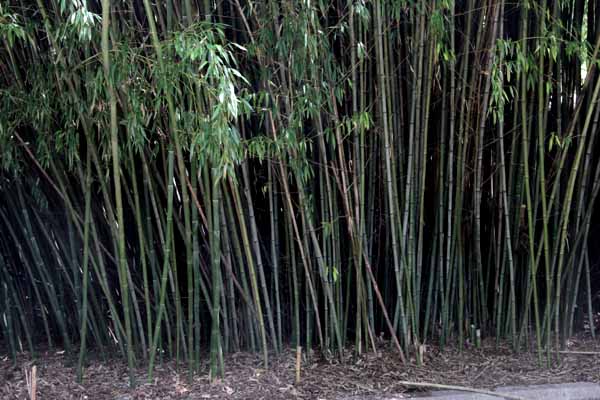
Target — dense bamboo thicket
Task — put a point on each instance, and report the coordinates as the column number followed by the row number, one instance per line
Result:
column 184, row 175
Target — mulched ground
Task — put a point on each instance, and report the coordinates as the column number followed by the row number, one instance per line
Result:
column 368, row 374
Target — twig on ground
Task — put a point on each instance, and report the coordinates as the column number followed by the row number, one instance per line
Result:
column 577, row 352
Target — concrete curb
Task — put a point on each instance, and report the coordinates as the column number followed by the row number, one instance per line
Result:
column 566, row 391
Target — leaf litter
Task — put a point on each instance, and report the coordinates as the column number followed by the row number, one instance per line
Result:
column 322, row 377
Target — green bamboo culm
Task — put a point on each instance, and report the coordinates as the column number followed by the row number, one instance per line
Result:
column 116, row 169
column 85, row 273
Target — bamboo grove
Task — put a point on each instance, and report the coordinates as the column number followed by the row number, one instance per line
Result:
column 183, row 176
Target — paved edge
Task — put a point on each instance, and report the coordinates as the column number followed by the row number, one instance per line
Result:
column 564, row 391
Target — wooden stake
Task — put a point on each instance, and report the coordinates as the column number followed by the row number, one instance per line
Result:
column 31, row 379
column 298, row 363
